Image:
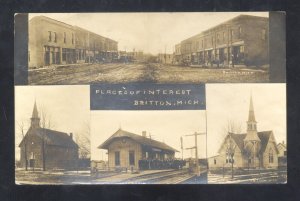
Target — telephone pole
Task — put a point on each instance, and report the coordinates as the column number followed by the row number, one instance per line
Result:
column 196, row 150
column 181, row 143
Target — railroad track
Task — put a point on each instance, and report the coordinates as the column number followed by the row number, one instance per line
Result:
column 177, row 179
column 166, row 177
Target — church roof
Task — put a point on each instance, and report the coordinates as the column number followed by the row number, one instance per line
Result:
column 138, row 138
column 263, row 136
column 52, row 137
column 282, row 145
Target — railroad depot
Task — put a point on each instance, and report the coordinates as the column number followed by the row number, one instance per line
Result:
column 253, row 149
column 131, row 151
column 45, row 149
column 243, row 40
column 52, row 42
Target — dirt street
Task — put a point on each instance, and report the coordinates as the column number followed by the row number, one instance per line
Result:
column 139, row 72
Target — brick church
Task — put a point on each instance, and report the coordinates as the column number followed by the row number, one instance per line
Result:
column 252, row 149
column 43, row 148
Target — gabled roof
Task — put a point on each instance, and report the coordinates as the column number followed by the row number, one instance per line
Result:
column 281, row 144
column 138, row 138
column 263, row 136
column 52, row 137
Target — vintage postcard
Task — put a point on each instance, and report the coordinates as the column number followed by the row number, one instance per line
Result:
column 150, row 98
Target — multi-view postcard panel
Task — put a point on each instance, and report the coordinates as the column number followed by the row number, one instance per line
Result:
column 84, row 48
column 130, row 102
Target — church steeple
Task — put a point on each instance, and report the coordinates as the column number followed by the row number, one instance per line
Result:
column 251, row 124
column 251, row 117
column 35, row 120
column 252, row 143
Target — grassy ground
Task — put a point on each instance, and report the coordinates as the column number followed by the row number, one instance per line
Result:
column 51, row 177
column 263, row 176
column 138, row 72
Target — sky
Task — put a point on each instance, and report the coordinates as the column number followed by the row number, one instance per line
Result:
column 150, row 32
column 164, row 126
column 67, row 106
column 230, row 102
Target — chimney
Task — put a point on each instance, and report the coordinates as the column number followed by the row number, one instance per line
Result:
column 71, row 136
column 144, row 133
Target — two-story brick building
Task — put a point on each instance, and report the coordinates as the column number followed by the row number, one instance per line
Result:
column 52, row 42
column 242, row 40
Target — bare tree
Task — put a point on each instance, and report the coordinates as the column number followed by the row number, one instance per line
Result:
column 230, row 151
column 46, row 118
column 234, row 127
column 21, row 128
column 231, row 128
column 45, row 123
column 84, row 142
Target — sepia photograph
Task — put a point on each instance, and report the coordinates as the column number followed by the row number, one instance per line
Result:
column 195, row 47
column 247, row 133
column 52, row 135
column 148, row 147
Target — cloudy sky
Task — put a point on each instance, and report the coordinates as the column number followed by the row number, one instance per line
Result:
column 150, row 32
column 67, row 107
column 230, row 102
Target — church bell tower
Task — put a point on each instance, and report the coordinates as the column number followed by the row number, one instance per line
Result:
column 35, row 120
column 252, row 141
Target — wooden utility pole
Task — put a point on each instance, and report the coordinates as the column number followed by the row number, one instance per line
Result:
column 181, row 145
column 196, row 151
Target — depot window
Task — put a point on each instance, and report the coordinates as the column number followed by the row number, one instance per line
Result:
column 117, row 158
column 131, row 158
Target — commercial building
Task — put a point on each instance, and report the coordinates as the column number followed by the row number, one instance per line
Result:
column 126, row 150
column 252, row 149
column 243, row 40
column 43, row 148
column 177, row 54
column 52, row 42
column 165, row 58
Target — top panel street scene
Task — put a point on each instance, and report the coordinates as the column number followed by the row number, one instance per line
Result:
column 89, row 48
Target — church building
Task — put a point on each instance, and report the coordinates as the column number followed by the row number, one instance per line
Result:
column 252, row 149
column 45, row 149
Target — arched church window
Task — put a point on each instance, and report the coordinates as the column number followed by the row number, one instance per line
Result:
column 271, row 156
